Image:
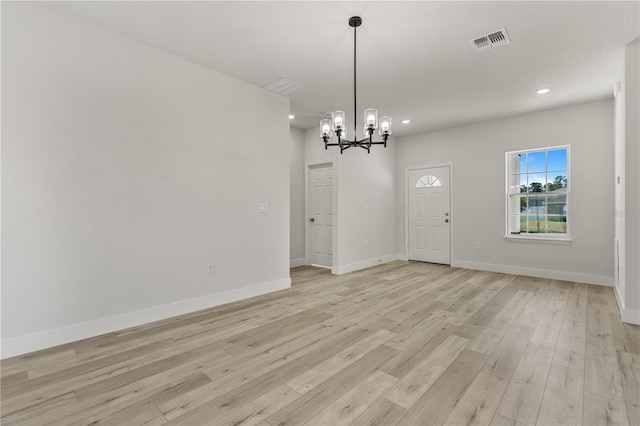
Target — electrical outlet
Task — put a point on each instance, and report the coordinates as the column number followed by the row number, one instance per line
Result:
column 211, row 268
column 476, row 245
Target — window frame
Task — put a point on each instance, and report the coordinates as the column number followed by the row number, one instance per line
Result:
column 544, row 237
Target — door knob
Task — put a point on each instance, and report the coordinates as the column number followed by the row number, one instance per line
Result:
column 446, row 220
column 312, row 220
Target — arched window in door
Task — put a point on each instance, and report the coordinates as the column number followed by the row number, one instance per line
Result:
column 428, row 181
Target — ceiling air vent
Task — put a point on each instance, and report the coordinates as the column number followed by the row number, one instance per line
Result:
column 491, row 40
column 283, row 86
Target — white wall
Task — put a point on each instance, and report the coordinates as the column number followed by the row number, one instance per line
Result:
column 627, row 194
column 477, row 152
column 365, row 207
column 632, row 172
column 367, row 189
column 124, row 172
column 297, row 190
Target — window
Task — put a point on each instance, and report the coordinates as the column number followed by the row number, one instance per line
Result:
column 428, row 181
column 538, row 193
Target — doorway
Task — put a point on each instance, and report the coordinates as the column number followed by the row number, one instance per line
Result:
column 429, row 214
column 320, row 189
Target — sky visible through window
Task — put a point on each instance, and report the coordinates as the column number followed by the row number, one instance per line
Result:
column 542, row 167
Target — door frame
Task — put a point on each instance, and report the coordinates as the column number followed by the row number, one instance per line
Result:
column 406, row 206
column 307, row 203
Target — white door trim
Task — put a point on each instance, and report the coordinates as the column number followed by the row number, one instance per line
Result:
column 407, row 187
column 307, row 237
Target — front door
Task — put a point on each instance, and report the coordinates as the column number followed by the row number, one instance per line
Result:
column 321, row 215
column 429, row 215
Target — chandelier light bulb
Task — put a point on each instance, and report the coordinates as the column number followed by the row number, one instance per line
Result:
column 338, row 122
column 325, row 128
column 385, row 125
column 371, row 119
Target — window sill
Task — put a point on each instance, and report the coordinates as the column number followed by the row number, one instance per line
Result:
column 554, row 240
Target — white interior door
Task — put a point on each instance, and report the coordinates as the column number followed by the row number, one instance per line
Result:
column 321, row 186
column 429, row 215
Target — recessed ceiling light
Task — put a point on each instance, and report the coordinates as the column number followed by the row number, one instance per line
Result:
column 543, row 91
column 406, row 121
column 291, row 116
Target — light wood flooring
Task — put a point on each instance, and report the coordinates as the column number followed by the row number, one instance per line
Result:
column 403, row 343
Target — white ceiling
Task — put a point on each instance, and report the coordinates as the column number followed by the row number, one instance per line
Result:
column 415, row 59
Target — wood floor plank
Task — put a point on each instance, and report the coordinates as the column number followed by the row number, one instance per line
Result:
column 94, row 410
column 507, row 354
column 500, row 420
column 571, row 344
column 12, row 379
column 32, row 360
column 430, row 323
column 548, row 328
column 240, row 396
column 94, row 389
column 123, row 413
column 599, row 320
column 630, row 375
column 413, row 355
column 318, row 374
column 472, row 322
column 603, row 411
column 478, row 404
column 413, row 385
column 48, row 405
column 524, row 393
column 258, row 410
column 563, row 395
column 55, row 379
column 36, row 395
column 232, row 374
column 308, row 405
column 353, row 403
column 336, row 343
column 602, row 372
column 437, row 403
column 382, row 413
column 479, row 310
column 488, row 337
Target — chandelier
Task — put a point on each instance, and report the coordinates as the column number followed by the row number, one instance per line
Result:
column 337, row 123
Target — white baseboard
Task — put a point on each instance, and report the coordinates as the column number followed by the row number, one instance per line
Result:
column 294, row 263
column 45, row 339
column 356, row 266
column 402, row 256
column 631, row 316
column 535, row 272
